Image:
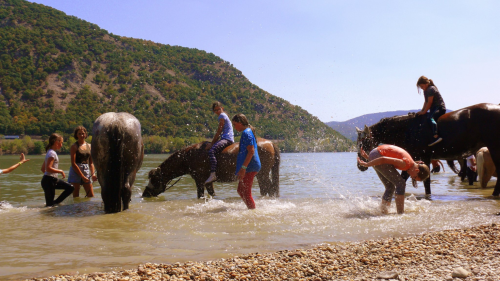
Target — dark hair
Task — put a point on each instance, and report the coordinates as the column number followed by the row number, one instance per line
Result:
column 423, row 174
column 215, row 104
column 75, row 132
column 424, row 80
column 242, row 119
column 52, row 139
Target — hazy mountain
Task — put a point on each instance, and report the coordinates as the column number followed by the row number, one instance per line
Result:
column 348, row 128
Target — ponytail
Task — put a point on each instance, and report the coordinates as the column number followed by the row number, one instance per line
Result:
column 424, row 80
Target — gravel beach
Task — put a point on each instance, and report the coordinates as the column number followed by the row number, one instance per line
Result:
column 459, row 254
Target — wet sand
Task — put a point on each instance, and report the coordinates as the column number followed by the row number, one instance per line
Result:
column 466, row 254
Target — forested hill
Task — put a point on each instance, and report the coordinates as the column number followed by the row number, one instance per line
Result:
column 58, row 71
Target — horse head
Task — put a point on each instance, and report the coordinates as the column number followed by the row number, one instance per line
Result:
column 175, row 166
column 365, row 141
column 156, row 183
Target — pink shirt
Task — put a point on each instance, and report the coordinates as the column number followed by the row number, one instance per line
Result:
column 398, row 153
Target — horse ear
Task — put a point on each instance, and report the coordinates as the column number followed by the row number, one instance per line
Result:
column 367, row 130
column 358, row 130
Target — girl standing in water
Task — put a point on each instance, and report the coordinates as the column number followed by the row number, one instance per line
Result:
column 225, row 133
column 82, row 167
column 248, row 162
column 434, row 103
column 385, row 159
column 50, row 166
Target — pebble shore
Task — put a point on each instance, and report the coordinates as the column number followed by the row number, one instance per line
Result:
column 459, row 254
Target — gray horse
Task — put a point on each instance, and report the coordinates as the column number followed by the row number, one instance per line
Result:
column 117, row 153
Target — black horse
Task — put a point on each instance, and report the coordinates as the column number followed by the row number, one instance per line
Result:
column 464, row 132
column 193, row 161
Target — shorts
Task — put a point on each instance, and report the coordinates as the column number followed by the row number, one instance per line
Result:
column 75, row 178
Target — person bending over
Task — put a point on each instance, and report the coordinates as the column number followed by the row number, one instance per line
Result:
column 386, row 160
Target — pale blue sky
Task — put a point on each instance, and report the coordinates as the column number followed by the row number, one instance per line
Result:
column 336, row 59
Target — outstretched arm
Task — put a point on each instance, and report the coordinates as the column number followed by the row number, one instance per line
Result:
column 22, row 160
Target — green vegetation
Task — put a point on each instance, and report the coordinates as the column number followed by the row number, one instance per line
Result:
column 58, row 71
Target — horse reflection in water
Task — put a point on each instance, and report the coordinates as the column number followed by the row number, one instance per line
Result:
column 117, row 152
column 193, row 161
column 464, row 132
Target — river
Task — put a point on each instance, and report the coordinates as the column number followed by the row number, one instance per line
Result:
column 324, row 199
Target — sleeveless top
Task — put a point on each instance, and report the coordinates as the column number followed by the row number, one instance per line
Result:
column 398, row 153
column 82, row 153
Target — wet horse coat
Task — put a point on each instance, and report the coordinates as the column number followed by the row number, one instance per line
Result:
column 117, row 152
column 464, row 132
column 193, row 161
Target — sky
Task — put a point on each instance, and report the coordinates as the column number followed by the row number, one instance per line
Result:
column 337, row 59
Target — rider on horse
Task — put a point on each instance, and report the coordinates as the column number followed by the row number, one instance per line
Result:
column 433, row 102
column 226, row 135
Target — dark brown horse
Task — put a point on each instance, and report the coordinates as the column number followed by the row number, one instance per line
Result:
column 464, row 132
column 193, row 161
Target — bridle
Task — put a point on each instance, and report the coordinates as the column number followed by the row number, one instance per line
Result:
column 168, row 182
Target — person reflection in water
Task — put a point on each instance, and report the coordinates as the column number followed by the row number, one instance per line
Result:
column 385, row 159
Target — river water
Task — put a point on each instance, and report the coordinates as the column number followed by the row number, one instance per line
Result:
column 324, row 199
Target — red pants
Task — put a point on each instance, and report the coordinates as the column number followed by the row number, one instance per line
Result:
column 245, row 189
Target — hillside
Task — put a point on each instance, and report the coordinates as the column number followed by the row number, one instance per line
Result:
column 348, row 128
column 58, row 71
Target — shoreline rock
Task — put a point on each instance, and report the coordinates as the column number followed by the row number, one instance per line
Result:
column 429, row 256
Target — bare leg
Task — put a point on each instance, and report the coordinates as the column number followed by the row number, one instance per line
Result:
column 76, row 191
column 384, row 206
column 400, row 203
column 89, row 190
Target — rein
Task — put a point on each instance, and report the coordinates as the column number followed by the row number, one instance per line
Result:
column 167, row 188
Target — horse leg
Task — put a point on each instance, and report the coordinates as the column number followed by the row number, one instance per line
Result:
column 210, row 189
column 200, row 188
column 126, row 195
column 495, row 156
column 264, row 183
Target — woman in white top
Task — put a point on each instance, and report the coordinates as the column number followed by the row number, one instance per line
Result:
column 50, row 166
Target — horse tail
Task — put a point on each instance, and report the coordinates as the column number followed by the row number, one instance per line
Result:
column 275, row 171
column 480, row 168
column 113, row 193
column 451, row 164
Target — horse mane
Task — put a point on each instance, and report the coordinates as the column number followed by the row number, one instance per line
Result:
column 396, row 126
column 183, row 151
column 398, row 118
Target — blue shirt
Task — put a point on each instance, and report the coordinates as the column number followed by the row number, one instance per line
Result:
column 247, row 138
column 227, row 130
